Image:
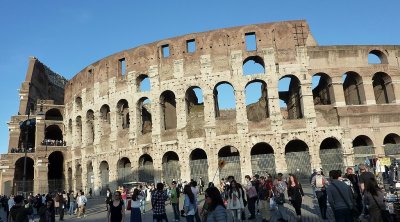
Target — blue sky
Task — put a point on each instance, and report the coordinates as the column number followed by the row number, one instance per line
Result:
column 69, row 35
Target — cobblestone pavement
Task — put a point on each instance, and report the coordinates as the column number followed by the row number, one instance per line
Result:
column 96, row 211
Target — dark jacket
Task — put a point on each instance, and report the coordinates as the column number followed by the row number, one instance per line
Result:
column 336, row 200
column 20, row 214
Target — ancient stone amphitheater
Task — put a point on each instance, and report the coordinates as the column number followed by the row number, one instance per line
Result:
column 102, row 128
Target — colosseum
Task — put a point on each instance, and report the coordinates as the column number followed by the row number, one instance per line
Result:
column 103, row 128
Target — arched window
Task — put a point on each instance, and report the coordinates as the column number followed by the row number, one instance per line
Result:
column 168, row 110
column 322, row 89
column 105, row 113
column 224, row 100
column 123, row 114
column 353, row 89
column 290, row 93
column 78, row 103
column 256, row 101
column 253, row 65
column 143, row 83
column 90, row 126
column 383, row 88
column 377, row 57
column 145, row 120
column 53, row 114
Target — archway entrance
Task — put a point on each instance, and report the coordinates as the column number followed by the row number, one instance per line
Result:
column 363, row 148
column 298, row 159
column 171, row 167
column 55, row 173
column 198, row 165
column 104, row 175
column 232, row 158
column 146, row 169
column 391, row 144
column 19, row 175
column 262, row 159
column 124, row 170
column 331, row 155
column 90, row 176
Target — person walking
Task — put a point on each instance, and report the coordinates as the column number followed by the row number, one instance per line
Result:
column 116, row 209
column 175, row 193
column 216, row 211
column 340, row 198
column 189, row 204
column 319, row 183
column 158, row 199
column 295, row 195
column 374, row 199
column 72, row 203
column 81, row 201
column 201, row 185
column 108, row 198
column 235, row 200
column 264, row 195
column 251, row 197
column 136, row 215
column 353, row 178
column 280, row 188
column 20, row 212
column 47, row 212
column 143, row 193
column 312, row 187
column 61, row 202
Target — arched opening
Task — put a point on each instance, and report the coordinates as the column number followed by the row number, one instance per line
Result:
column 168, row 110
column 322, row 89
column 78, row 177
column 198, row 165
column 231, row 156
column 19, row 175
column 53, row 114
column 78, row 134
column 383, row 88
column 90, row 126
column 224, row 101
column 363, row 149
column 377, row 57
column 331, row 154
column 90, row 175
column 124, row 170
column 70, row 179
column 298, row 158
column 195, row 112
column 146, row 169
column 105, row 113
column 262, row 159
column 290, row 93
column 143, row 83
column 253, row 65
column 145, row 121
column 171, row 167
column 353, row 89
column 256, row 101
column 55, row 173
column 104, row 175
column 27, row 136
column 53, row 136
column 123, row 114
column 78, row 103
column 391, row 144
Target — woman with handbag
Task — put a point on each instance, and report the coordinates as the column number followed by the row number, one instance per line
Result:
column 280, row 187
column 134, row 206
column 251, row 197
column 189, row 203
column 295, row 194
column 235, row 200
column 374, row 199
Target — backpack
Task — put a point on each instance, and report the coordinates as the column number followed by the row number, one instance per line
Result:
column 319, row 181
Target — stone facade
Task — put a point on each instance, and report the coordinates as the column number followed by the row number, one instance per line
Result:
column 116, row 132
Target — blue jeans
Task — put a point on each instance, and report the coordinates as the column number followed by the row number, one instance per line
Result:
column 143, row 205
column 71, row 207
column 175, row 208
column 160, row 218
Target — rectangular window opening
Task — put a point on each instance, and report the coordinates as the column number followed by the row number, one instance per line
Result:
column 90, row 71
column 165, row 51
column 122, row 66
column 191, row 45
column 251, row 43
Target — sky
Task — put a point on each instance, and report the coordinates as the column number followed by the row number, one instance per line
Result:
column 69, row 35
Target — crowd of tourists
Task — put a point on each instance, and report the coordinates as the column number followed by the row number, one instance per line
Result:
column 51, row 142
column 45, row 206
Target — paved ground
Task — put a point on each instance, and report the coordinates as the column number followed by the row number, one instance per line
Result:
column 96, row 211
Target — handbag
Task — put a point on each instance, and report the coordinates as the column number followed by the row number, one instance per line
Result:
column 386, row 217
column 354, row 209
column 252, row 192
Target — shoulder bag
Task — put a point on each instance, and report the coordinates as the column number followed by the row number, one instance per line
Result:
column 353, row 209
column 386, row 217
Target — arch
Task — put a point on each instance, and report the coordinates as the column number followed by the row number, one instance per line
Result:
column 391, row 144
column 363, row 148
column 322, row 89
column 290, row 93
column 53, row 114
column 145, row 120
column 383, row 88
column 78, row 123
column 70, row 178
column 55, row 174
column 194, row 99
column 53, row 135
column 231, row 156
column 105, row 113
column 90, row 175
column 124, row 170
column 256, row 100
column 168, row 110
column 253, row 65
column 90, row 126
column 146, row 169
column 262, row 159
column 198, row 165
column 298, row 158
column 331, row 154
column 377, row 57
column 19, row 175
column 391, row 138
column 143, row 83
column 171, row 167
column 123, row 114
column 104, row 175
column 78, row 103
column 224, row 105
column 353, row 88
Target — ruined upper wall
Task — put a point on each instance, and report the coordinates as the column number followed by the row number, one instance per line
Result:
column 41, row 83
column 284, row 37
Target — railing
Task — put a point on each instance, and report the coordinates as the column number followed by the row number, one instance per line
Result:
column 22, row 150
column 48, row 142
column 392, row 149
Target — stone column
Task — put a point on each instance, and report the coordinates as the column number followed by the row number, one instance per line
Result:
column 40, row 175
column 208, row 98
column 369, row 92
column 337, row 85
column 97, row 177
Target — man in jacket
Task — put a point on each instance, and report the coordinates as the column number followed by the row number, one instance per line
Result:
column 340, row 198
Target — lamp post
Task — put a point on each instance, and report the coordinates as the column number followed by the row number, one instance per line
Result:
column 26, row 125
